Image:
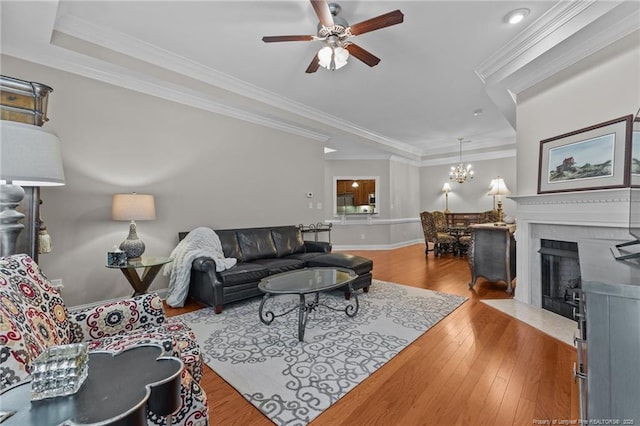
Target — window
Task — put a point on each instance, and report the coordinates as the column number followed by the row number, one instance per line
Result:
column 355, row 195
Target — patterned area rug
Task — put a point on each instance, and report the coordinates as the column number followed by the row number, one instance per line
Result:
column 292, row 382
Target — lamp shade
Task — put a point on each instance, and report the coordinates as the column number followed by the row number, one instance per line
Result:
column 498, row 187
column 29, row 156
column 446, row 187
column 133, row 207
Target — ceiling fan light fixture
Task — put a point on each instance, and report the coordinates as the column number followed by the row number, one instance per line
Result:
column 333, row 58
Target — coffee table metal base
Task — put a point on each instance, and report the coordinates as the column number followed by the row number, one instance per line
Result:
column 305, row 307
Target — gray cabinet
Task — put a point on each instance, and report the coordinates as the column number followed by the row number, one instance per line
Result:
column 611, row 295
column 492, row 254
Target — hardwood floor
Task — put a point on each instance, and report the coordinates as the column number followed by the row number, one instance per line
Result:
column 478, row 366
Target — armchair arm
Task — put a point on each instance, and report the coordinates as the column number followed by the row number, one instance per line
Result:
column 315, row 246
column 140, row 312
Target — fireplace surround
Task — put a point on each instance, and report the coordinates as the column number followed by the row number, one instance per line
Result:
column 571, row 217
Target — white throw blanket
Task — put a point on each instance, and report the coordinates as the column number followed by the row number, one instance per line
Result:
column 198, row 243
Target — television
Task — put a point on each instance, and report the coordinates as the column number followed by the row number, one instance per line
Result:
column 631, row 249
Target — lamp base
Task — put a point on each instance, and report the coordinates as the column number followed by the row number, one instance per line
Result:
column 10, row 198
column 500, row 212
column 133, row 247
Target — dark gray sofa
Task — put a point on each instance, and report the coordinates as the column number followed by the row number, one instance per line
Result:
column 262, row 252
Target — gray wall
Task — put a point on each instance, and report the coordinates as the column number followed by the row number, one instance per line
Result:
column 470, row 196
column 597, row 89
column 203, row 168
column 398, row 204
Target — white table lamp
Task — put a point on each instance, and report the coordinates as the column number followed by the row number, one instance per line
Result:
column 498, row 189
column 29, row 156
column 446, row 188
column 133, row 207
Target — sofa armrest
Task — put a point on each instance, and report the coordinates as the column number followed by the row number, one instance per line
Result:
column 317, row 246
column 120, row 317
column 204, row 264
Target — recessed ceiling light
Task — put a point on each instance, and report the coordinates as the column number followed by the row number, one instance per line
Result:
column 328, row 150
column 516, row 16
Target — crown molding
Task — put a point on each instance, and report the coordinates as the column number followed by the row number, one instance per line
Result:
column 540, row 35
column 404, row 160
column 454, row 147
column 133, row 47
column 548, row 46
column 350, row 157
column 493, row 155
column 112, row 74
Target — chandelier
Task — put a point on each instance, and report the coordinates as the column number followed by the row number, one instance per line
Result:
column 460, row 173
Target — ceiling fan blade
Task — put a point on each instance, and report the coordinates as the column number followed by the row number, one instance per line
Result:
column 322, row 10
column 313, row 66
column 363, row 55
column 382, row 21
column 271, row 39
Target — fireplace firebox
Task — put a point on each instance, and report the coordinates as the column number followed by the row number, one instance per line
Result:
column 560, row 276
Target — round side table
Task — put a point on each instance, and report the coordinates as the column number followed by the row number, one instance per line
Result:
column 151, row 267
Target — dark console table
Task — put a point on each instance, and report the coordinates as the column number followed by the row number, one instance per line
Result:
column 492, row 253
column 316, row 229
column 117, row 391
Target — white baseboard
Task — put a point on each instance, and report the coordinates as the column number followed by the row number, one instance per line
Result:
column 377, row 246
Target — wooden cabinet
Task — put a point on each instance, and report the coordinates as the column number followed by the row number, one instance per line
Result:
column 492, row 254
column 365, row 187
column 360, row 193
column 341, row 187
column 359, row 197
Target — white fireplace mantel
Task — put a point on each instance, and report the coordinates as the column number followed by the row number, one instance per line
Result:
column 570, row 216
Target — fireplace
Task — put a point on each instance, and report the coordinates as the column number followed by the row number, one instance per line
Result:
column 560, row 275
column 572, row 217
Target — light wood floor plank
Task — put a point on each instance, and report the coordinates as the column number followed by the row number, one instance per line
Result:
column 477, row 366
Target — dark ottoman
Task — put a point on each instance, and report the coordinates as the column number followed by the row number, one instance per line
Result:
column 358, row 264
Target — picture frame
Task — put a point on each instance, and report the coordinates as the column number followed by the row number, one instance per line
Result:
column 596, row 157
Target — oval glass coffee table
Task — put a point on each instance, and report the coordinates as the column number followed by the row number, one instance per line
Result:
column 307, row 281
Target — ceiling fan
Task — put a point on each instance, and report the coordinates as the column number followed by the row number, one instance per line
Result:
column 335, row 32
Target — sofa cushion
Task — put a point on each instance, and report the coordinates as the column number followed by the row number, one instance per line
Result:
column 278, row 265
column 359, row 265
column 242, row 273
column 230, row 244
column 256, row 243
column 305, row 257
column 288, row 240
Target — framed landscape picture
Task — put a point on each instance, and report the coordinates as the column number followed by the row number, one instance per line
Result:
column 586, row 159
column 635, row 152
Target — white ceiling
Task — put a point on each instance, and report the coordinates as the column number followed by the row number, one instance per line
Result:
column 446, row 60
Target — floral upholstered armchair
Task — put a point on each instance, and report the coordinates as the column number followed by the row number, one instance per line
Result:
column 33, row 317
column 441, row 239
